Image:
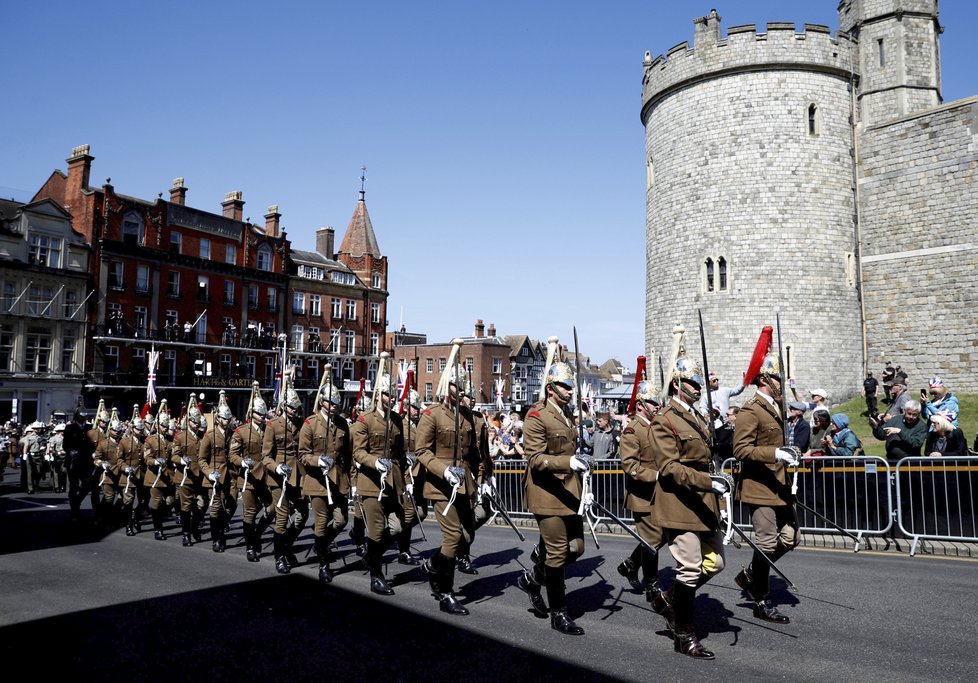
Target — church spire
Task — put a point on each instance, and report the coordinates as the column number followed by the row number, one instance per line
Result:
column 359, row 238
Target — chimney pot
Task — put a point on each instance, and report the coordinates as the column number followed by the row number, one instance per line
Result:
column 178, row 192
column 324, row 242
column 480, row 329
column 233, row 205
column 272, row 221
column 492, row 330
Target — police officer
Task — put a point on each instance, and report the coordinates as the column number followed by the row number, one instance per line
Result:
column 220, row 475
column 554, row 487
column 763, row 485
column 245, row 454
column 638, row 464
column 378, row 449
column 280, row 454
column 325, row 452
column 686, row 506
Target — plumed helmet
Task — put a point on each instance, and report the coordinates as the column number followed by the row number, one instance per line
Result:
column 365, row 404
column 258, row 406
column 117, row 426
column 149, row 421
column 101, row 414
column 414, row 399
column 38, row 426
column 329, row 392
column 646, row 392
column 687, row 368
column 136, row 423
column 383, row 384
column 194, row 417
column 223, row 409
column 60, row 427
column 459, row 376
column 292, row 399
column 560, row 373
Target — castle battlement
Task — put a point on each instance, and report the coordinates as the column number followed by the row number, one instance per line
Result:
column 744, row 48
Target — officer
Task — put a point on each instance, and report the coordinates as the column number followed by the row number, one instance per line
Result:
column 108, row 460
column 157, row 450
column 554, row 484
column 55, row 456
column 442, row 444
column 638, row 464
column 416, row 507
column 686, row 506
column 96, row 434
column 131, row 463
column 325, row 452
column 219, row 475
column 189, row 478
column 280, row 454
column 378, row 449
column 480, row 465
column 763, row 485
column 32, row 456
column 245, row 454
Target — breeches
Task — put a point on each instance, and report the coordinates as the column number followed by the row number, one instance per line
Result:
column 775, row 526
column 457, row 525
column 382, row 515
column 699, row 555
column 329, row 517
column 563, row 538
column 293, row 499
column 649, row 532
column 253, row 498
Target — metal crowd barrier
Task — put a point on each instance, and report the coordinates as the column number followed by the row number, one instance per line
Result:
column 936, row 499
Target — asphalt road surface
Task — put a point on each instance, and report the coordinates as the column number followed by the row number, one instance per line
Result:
column 105, row 607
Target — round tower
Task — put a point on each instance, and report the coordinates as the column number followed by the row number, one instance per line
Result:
column 750, row 199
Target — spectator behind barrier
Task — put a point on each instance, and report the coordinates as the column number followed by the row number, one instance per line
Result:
column 944, row 439
column 821, row 428
column 843, row 443
column 904, row 434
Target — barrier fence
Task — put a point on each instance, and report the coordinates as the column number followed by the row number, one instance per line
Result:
column 925, row 498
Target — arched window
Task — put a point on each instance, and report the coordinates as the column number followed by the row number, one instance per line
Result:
column 709, row 274
column 722, row 268
column 813, row 127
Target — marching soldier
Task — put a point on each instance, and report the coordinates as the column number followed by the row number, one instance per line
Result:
column 79, row 450
column 638, row 464
column 220, row 475
column 763, row 485
column 280, row 454
column 554, row 487
column 378, row 449
column 325, row 453
column 130, row 478
column 189, row 476
column 416, row 508
column 108, row 461
column 245, row 454
column 32, row 456
column 96, row 434
column 56, row 458
column 442, row 445
column 480, row 464
column 157, row 450
column 357, row 531
column 686, row 506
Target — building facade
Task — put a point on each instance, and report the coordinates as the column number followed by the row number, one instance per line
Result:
column 812, row 177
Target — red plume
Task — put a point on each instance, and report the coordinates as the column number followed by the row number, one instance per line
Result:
column 639, row 376
column 147, row 408
column 359, row 396
column 763, row 346
column 183, row 411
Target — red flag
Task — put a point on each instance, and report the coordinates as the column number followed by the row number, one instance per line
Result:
column 639, row 376
column 763, row 346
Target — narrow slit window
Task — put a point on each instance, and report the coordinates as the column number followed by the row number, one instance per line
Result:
column 722, row 268
column 709, row 275
column 882, row 52
column 812, row 119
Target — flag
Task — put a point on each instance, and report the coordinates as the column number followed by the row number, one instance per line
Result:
column 154, row 357
column 500, row 387
column 279, row 372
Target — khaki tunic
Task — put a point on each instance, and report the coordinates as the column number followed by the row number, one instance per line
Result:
column 758, row 433
column 108, row 450
column 435, row 448
column 368, row 435
column 549, row 438
column 157, row 450
column 638, row 464
column 684, row 496
column 319, row 436
column 246, row 442
column 479, row 462
column 215, row 456
column 131, row 455
column 187, row 445
column 280, row 445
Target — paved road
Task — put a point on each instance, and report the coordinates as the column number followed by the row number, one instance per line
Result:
column 107, row 607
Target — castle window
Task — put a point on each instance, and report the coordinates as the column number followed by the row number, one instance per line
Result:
column 882, row 53
column 709, row 275
column 813, row 127
column 722, row 268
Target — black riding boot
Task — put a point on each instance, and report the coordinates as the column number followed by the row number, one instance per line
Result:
column 185, row 527
column 375, row 553
column 556, row 593
column 281, row 563
column 252, row 542
column 448, row 603
column 218, row 543
column 684, row 635
column 322, row 554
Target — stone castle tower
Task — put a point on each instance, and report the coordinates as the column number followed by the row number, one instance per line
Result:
column 784, row 174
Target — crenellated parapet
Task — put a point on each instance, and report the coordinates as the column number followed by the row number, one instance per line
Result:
column 781, row 47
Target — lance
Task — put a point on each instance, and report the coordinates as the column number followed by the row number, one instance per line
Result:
column 706, row 388
column 584, row 508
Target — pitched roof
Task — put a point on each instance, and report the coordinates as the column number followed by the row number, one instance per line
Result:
column 315, row 258
column 359, row 238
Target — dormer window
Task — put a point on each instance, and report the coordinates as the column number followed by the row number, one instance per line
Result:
column 264, row 257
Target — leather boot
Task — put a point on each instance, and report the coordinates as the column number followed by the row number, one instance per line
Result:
column 652, row 589
column 464, row 563
column 766, row 611
column 185, row 528
column 529, row 582
column 158, row 533
column 374, row 556
column 252, row 542
column 131, row 523
column 405, row 556
column 291, row 534
column 322, row 554
column 281, row 564
column 217, row 535
column 629, row 570
column 431, row 568
column 684, row 636
column 662, row 604
column 556, row 592
column 448, row 603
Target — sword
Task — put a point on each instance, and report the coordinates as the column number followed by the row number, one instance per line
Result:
column 791, row 586
column 833, row 523
column 497, row 508
column 623, row 525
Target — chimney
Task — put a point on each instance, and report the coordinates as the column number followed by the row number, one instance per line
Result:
column 492, row 330
column 271, row 221
column 324, row 242
column 79, row 168
column 233, row 205
column 178, row 192
column 480, row 329
column 706, row 30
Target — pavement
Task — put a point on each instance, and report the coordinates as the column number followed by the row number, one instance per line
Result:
column 92, row 602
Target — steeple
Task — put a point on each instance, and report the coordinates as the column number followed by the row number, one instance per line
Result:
column 359, row 238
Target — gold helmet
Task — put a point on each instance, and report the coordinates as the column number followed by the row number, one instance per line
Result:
column 383, row 385
column 194, row 417
column 329, row 392
column 561, row 373
column 292, row 399
column 646, row 392
column 687, row 368
column 101, row 414
column 117, row 427
column 770, row 367
column 223, row 409
column 414, row 399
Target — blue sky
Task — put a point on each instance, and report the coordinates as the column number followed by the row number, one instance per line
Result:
column 504, row 151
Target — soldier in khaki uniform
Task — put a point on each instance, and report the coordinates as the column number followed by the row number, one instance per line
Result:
column 638, row 464
column 189, row 478
column 686, row 505
column 98, row 432
column 245, row 455
column 131, row 456
column 415, row 505
column 763, row 485
column 280, row 454
column 220, row 482
column 108, row 461
column 554, row 476
column 157, row 451
column 378, row 449
column 442, row 443
column 325, row 452
column 480, row 464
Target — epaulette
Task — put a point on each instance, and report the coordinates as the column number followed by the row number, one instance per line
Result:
column 427, row 411
column 307, row 420
column 533, row 413
column 360, row 419
column 628, row 430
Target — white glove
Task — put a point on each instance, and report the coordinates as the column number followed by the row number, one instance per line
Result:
column 382, row 465
column 492, row 481
column 106, row 466
column 353, row 492
column 283, row 470
column 589, row 499
column 185, row 460
column 786, row 456
column 247, row 463
column 130, row 470
column 409, row 489
column 578, row 465
column 49, row 457
column 325, row 462
column 485, row 490
column 451, row 477
column 160, row 462
column 214, row 476
column 720, row 487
